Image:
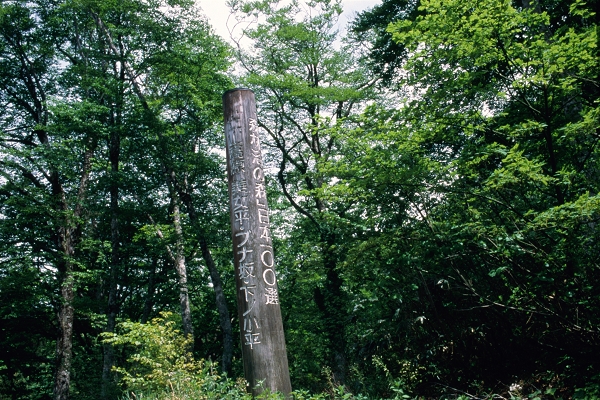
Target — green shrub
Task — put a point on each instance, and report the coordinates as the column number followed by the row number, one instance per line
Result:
column 159, row 366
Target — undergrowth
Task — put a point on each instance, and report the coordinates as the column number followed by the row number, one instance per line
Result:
column 157, row 367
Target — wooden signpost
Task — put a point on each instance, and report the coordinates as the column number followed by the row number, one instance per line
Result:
column 261, row 327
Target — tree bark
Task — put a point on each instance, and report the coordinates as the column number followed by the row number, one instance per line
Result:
column 179, row 260
column 149, row 301
column 107, row 390
column 64, row 344
column 67, row 239
column 224, row 319
column 331, row 303
column 221, row 301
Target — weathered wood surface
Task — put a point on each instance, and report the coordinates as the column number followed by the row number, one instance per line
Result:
column 261, row 327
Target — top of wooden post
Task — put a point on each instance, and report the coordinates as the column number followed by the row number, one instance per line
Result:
column 237, row 90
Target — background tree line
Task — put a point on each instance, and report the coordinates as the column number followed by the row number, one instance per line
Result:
column 433, row 185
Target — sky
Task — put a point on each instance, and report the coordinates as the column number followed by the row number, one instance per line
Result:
column 218, row 12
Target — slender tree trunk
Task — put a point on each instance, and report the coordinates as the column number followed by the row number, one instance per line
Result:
column 179, row 260
column 64, row 344
column 67, row 239
column 149, row 302
column 224, row 319
column 113, row 307
column 108, row 359
column 221, row 301
column 331, row 302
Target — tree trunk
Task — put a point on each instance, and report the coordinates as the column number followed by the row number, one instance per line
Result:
column 221, row 301
column 64, row 344
column 224, row 319
column 331, row 303
column 149, row 301
column 179, row 260
column 108, row 387
column 66, row 240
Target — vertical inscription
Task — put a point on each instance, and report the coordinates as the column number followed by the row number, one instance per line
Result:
column 261, row 328
column 264, row 227
column 241, row 216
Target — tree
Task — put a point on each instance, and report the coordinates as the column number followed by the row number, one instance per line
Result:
column 73, row 106
column 182, row 78
column 385, row 56
column 37, row 167
column 503, row 105
column 184, row 92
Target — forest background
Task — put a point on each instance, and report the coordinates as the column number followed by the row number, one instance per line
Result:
column 433, row 182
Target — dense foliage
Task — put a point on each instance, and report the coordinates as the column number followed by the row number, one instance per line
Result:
column 433, row 184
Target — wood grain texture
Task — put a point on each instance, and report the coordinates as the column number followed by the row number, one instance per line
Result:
column 261, row 327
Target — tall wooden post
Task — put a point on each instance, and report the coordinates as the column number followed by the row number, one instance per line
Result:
column 261, row 327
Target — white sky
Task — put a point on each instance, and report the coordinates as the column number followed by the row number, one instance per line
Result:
column 218, row 12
